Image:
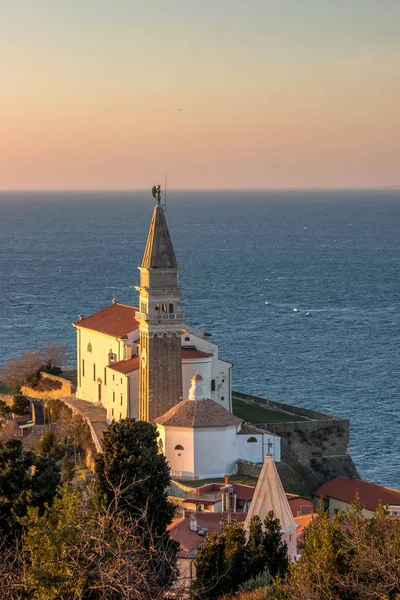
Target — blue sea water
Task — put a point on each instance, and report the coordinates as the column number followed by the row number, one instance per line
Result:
column 248, row 260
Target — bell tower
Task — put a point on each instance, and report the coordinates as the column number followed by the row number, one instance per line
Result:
column 160, row 321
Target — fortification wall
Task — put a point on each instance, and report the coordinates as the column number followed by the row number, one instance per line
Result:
column 313, row 450
column 65, row 388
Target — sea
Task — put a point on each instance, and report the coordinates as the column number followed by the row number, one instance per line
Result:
column 299, row 288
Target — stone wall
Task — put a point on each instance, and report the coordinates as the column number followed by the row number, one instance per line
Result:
column 313, row 451
column 248, row 468
column 66, row 389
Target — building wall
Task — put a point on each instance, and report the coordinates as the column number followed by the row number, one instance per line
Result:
column 338, row 505
column 220, row 370
column 215, row 451
column 181, row 462
column 256, row 451
column 115, row 396
column 192, row 366
column 88, row 379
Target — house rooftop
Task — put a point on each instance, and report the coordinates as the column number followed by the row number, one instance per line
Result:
column 198, row 413
column 370, row 494
column 116, row 320
column 126, row 366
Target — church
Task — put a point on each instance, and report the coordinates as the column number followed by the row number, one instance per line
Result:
column 147, row 363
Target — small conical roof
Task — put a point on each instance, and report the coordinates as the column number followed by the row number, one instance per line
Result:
column 159, row 252
column 270, row 495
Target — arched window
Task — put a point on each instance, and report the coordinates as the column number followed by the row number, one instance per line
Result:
column 171, row 308
column 251, row 440
column 187, row 339
column 89, row 347
column 178, row 447
column 160, row 444
column 164, row 308
column 157, row 309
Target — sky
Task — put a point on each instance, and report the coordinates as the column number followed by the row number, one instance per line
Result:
column 111, row 94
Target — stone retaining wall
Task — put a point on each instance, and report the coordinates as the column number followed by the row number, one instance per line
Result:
column 66, row 389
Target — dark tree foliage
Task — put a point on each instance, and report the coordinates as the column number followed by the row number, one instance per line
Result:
column 20, row 405
column 226, row 561
column 131, row 460
column 275, row 550
column 131, row 463
column 25, row 480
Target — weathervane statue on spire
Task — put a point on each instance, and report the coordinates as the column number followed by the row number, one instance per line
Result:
column 156, row 191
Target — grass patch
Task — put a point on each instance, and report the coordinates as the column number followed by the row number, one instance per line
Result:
column 195, row 483
column 4, row 388
column 257, row 414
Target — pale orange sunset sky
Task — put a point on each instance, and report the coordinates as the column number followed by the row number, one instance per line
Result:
column 219, row 93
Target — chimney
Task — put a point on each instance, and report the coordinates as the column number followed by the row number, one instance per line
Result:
column 226, row 479
column 193, row 523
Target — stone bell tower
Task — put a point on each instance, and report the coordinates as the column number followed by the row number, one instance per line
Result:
column 160, row 321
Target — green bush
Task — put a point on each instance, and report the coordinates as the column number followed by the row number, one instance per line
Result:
column 20, row 405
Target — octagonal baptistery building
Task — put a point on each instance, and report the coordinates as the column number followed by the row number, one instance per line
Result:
column 201, row 439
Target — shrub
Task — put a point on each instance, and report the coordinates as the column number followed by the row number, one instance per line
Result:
column 20, row 405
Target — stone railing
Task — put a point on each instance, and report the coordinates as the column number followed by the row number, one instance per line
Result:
column 160, row 317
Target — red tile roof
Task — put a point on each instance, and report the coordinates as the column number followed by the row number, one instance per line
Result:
column 126, row 366
column 370, row 494
column 303, row 522
column 189, row 354
column 247, row 429
column 189, row 539
column 116, row 320
column 198, row 413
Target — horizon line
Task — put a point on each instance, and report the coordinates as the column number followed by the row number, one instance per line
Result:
column 202, row 189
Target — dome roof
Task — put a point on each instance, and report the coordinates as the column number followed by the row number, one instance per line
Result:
column 198, row 413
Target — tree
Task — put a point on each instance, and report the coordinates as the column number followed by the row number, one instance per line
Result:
column 275, row 548
column 17, row 371
column 77, row 550
column 4, row 409
column 20, row 405
column 348, row 557
column 25, row 480
column 53, row 358
column 131, row 460
column 131, row 463
column 225, row 561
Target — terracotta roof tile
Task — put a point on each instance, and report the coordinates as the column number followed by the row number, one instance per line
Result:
column 303, row 522
column 370, row 494
column 198, row 413
column 195, row 354
column 126, row 366
column 247, row 429
column 116, row 320
column 189, row 539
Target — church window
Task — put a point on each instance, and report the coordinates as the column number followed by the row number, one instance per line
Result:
column 213, row 385
column 105, row 375
column 178, row 447
column 222, row 398
column 122, row 398
column 157, row 309
column 94, row 372
column 113, row 396
column 160, row 444
column 164, row 308
column 89, row 347
column 251, row 440
column 113, row 377
column 187, row 339
column 83, row 368
column 111, row 357
column 171, row 308
column 120, row 416
column 121, row 380
column 112, row 412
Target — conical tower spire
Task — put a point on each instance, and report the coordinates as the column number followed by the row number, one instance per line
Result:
column 269, row 496
column 159, row 252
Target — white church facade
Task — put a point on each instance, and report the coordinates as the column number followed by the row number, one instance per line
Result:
column 146, row 363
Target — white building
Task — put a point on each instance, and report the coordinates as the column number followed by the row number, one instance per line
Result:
column 203, row 439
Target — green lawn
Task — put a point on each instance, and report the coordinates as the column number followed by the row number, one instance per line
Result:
column 4, row 388
column 258, row 414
